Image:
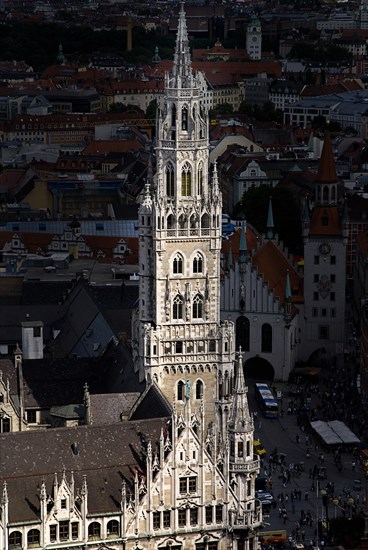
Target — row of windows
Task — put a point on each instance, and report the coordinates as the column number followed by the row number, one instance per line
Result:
column 178, row 264
column 323, row 312
column 65, row 530
column 186, row 180
column 162, row 520
column 178, row 307
column 62, row 531
column 332, row 260
column 181, row 392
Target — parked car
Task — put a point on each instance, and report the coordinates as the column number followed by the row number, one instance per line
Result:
column 258, row 447
column 266, row 498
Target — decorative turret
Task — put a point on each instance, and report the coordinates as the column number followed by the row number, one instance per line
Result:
column 243, row 256
column 4, row 507
column 87, row 405
column 240, row 419
column 288, row 296
column 60, row 57
column 270, row 225
column 243, row 467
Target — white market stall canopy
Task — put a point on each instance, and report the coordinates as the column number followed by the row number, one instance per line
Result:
column 335, row 432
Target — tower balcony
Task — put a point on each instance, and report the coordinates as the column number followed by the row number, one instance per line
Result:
column 238, row 466
column 247, row 519
column 192, row 232
column 183, row 144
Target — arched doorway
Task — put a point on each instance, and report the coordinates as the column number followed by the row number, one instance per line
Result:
column 259, row 368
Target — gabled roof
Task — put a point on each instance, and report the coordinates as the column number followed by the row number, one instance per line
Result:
column 107, row 455
column 152, row 403
column 110, row 408
column 60, row 382
column 273, row 265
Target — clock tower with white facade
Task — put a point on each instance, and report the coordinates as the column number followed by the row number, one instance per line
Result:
column 254, row 39
column 179, row 342
column 325, row 233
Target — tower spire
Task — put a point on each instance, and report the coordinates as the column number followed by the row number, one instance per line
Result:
column 270, row 224
column 182, row 69
column 326, row 166
column 240, row 419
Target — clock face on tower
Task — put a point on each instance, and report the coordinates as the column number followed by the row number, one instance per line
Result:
column 324, row 248
column 254, row 39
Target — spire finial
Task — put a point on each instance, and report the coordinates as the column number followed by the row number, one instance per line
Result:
column 270, row 224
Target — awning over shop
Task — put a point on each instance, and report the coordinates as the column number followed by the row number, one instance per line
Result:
column 335, row 432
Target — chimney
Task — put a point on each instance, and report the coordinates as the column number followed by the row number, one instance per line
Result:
column 32, row 339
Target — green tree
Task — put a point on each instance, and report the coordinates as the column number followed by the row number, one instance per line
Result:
column 254, row 206
column 151, row 109
column 221, row 109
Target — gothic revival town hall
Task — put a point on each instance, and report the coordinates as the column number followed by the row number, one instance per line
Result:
column 180, row 471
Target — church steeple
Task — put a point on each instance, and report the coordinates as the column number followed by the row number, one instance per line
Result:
column 270, row 224
column 327, row 179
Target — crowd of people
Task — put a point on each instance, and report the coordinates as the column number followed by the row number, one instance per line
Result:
column 334, row 396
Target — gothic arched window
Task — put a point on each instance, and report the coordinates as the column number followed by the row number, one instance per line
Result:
column 169, row 180
column 266, row 338
column 198, row 263
column 242, row 333
column 33, row 537
column 200, row 180
column 198, row 307
column 173, row 116
column 184, row 118
column 113, row 528
column 94, row 530
column 170, row 222
column 205, row 220
column 199, row 389
column 178, row 307
column 325, row 194
column 15, row 539
column 186, row 180
column 333, row 194
column 178, row 264
column 180, row 391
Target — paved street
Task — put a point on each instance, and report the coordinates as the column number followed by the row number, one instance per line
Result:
column 282, row 434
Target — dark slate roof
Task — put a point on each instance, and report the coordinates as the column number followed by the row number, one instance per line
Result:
column 13, row 315
column 8, row 372
column 107, row 455
column 61, row 381
column 152, row 403
column 109, row 408
column 83, row 325
column 44, row 292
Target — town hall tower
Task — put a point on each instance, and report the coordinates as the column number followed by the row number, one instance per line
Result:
column 179, row 343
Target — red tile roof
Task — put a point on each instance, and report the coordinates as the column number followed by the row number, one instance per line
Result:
column 273, row 265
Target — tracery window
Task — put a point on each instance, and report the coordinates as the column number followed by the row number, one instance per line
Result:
column 186, row 180
column 178, row 307
column 178, row 264
column 198, row 263
column 169, row 180
column 198, row 307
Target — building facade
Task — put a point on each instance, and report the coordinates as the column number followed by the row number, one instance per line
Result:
column 184, row 481
column 325, row 233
